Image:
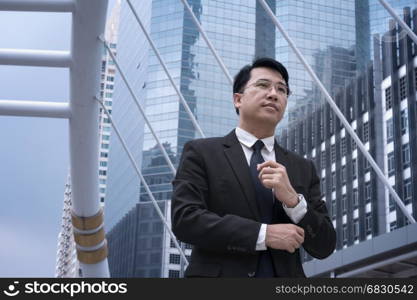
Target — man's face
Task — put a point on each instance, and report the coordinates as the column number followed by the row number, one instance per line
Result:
column 263, row 99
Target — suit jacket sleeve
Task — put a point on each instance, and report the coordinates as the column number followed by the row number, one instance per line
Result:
column 192, row 220
column 319, row 233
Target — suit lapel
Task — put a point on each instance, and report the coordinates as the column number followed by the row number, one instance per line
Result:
column 236, row 157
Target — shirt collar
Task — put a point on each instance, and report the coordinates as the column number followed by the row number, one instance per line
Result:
column 248, row 139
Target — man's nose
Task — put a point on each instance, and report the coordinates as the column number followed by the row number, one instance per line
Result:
column 272, row 94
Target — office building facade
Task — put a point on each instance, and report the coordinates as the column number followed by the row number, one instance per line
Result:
column 380, row 105
column 322, row 31
column 108, row 72
column 123, row 184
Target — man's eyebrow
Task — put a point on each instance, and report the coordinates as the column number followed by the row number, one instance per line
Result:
column 265, row 79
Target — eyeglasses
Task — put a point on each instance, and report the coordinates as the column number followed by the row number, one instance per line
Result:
column 265, row 84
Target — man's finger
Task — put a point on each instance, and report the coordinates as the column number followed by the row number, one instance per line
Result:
column 268, row 170
column 274, row 163
column 268, row 183
column 300, row 230
column 299, row 239
column 266, row 176
column 269, row 163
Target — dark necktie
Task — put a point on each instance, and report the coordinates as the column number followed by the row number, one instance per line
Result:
column 263, row 195
column 264, row 198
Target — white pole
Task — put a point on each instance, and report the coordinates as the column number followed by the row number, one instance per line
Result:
column 36, row 5
column 88, row 23
column 336, row 110
column 36, row 58
column 34, row 109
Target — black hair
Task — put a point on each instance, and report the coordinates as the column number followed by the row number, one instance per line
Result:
column 242, row 78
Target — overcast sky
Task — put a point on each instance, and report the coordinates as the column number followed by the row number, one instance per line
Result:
column 34, row 156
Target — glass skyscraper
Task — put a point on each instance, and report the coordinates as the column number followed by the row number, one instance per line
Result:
column 122, row 192
column 324, row 32
column 379, row 16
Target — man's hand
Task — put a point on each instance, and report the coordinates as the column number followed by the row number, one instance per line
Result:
column 287, row 237
column 274, row 176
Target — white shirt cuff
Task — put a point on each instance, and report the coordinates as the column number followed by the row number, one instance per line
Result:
column 260, row 243
column 297, row 212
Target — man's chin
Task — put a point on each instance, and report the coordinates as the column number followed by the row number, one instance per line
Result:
column 271, row 120
column 273, row 116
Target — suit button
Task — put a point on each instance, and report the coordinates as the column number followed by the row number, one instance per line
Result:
column 251, row 274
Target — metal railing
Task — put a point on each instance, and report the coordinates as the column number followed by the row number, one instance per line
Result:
column 83, row 61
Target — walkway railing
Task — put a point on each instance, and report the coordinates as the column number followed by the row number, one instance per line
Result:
column 84, row 62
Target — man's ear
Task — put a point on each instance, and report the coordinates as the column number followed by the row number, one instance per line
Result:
column 237, row 100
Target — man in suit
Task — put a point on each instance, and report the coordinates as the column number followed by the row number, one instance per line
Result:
column 244, row 203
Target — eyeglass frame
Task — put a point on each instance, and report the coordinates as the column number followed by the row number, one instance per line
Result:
column 276, row 86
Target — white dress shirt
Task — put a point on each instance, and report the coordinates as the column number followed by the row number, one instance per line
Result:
column 296, row 213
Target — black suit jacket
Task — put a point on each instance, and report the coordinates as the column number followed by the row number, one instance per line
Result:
column 214, row 208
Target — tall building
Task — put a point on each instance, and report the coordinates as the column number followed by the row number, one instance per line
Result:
column 122, row 193
column 320, row 27
column 399, row 71
column 379, row 16
column 67, row 264
column 363, row 35
column 380, row 105
column 108, row 71
column 322, row 30
column 136, row 243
